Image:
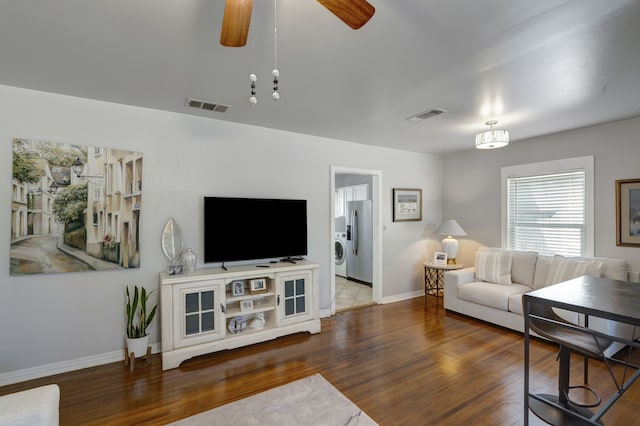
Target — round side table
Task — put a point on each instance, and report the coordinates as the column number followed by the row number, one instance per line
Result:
column 434, row 277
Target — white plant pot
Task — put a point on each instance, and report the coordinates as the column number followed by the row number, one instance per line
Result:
column 138, row 346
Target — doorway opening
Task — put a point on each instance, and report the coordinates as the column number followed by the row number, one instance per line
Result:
column 356, row 229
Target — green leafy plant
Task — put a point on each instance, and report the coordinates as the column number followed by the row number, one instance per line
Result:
column 138, row 306
column 70, row 204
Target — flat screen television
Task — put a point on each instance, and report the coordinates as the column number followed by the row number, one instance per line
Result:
column 254, row 229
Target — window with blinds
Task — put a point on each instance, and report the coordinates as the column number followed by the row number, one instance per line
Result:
column 547, row 213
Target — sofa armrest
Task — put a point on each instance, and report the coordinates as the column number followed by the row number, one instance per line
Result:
column 459, row 276
column 452, row 281
column 36, row 406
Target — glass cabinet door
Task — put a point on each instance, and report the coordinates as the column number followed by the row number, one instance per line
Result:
column 199, row 317
column 199, row 312
column 294, row 297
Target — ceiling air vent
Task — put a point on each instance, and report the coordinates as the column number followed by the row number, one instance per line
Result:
column 206, row 105
column 426, row 114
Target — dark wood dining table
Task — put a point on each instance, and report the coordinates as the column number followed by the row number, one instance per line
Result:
column 599, row 297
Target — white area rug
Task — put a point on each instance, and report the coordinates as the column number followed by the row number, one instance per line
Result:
column 309, row 401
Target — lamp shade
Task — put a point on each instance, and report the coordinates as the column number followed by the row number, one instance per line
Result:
column 450, row 228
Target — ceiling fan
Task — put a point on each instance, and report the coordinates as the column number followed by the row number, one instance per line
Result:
column 237, row 17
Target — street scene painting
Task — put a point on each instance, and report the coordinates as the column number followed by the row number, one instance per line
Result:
column 74, row 208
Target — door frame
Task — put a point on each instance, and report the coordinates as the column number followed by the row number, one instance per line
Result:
column 376, row 198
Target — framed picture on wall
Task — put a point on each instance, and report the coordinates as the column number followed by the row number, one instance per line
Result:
column 60, row 192
column 407, row 204
column 628, row 212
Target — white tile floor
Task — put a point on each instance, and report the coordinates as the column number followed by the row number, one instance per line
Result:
column 350, row 294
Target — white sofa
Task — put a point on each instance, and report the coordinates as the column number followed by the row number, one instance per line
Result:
column 31, row 407
column 492, row 290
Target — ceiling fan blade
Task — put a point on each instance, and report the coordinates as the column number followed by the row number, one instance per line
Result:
column 354, row 13
column 235, row 23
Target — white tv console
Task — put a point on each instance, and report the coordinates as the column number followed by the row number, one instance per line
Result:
column 201, row 314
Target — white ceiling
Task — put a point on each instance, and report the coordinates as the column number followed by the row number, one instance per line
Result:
column 537, row 67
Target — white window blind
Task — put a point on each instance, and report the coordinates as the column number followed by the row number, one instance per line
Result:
column 547, row 213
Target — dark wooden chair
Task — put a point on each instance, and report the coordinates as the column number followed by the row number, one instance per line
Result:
column 546, row 323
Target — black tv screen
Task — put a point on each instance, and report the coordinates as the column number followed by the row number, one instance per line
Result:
column 253, row 229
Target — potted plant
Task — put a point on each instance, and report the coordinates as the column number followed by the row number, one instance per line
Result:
column 138, row 320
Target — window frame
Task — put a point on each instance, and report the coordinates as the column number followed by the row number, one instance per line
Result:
column 585, row 163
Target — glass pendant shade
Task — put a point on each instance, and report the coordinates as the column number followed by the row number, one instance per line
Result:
column 492, row 139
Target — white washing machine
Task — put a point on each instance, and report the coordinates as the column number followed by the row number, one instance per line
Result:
column 341, row 254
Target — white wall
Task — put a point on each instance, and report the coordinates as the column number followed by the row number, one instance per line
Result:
column 49, row 320
column 471, row 190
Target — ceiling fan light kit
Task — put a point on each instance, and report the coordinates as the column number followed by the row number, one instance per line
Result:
column 275, row 95
column 253, row 100
column 275, row 73
column 253, row 78
column 492, row 139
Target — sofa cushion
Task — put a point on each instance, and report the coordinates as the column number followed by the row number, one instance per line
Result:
column 614, row 269
column 494, row 267
column 543, row 263
column 523, row 264
column 566, row 268
column 523, row 267
column 489, row 294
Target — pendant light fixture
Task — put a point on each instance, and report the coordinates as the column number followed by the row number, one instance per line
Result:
column 253, row 100
column 253, row 78
column 275, row 72
column 492, row 139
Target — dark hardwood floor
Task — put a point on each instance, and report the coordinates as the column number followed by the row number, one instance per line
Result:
column 403, row 363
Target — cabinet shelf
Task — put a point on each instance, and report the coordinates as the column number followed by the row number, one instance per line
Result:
column 231, row 299
column 234, row 312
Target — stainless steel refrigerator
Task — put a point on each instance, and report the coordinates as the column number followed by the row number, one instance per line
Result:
column 360, row 241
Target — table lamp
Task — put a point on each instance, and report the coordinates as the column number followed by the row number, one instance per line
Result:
column 450, row 245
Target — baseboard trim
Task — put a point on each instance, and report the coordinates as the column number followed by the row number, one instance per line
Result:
column 402, row 296
column 46, row 370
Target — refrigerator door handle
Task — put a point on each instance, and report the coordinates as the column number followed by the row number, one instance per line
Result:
column 354, row 231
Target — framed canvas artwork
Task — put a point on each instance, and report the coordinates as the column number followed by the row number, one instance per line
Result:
column 628, row 212
column 74, row 208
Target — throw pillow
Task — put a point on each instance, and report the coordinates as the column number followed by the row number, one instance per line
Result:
column 494, row 267
column 523, row 264
column 523, row 267
column 564, row 268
